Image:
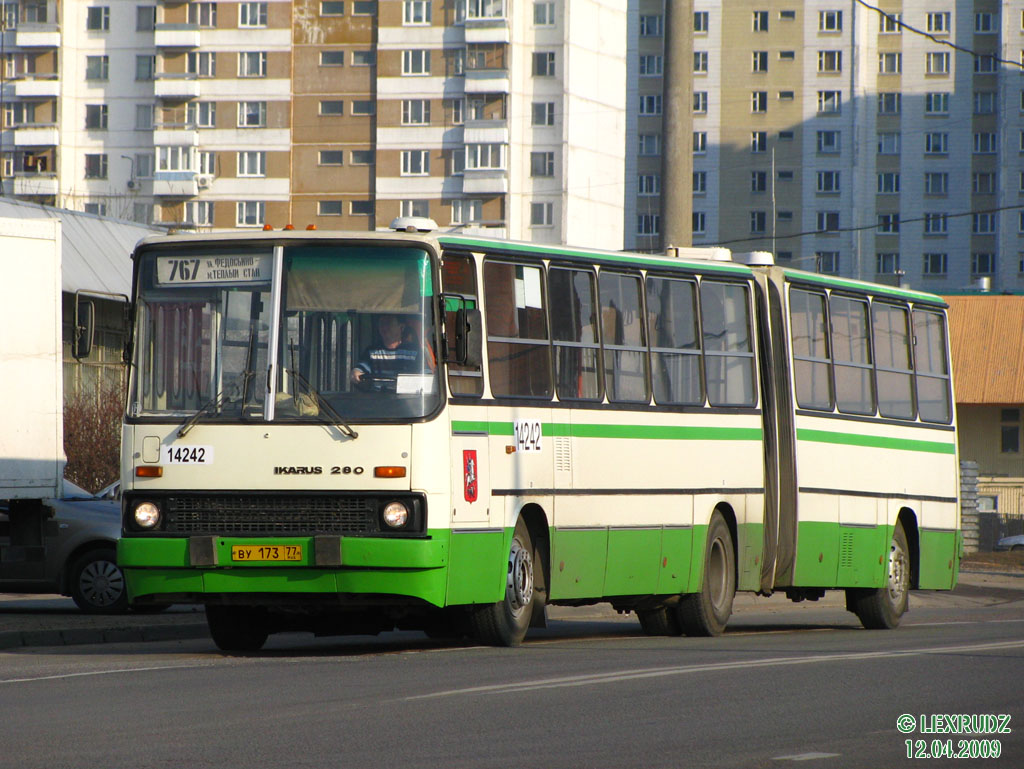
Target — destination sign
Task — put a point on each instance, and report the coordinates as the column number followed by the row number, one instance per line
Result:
column 206, row 270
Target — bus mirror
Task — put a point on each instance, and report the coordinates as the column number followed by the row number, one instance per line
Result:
column 85, row 325
column 468, row 339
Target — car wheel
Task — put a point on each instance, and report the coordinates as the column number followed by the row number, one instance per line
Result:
column 97, row 583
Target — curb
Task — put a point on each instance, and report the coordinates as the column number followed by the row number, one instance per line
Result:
column 17, row 639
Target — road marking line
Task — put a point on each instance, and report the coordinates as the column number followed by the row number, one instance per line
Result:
column 60, row 676
column 806, row 756
column 617, row 676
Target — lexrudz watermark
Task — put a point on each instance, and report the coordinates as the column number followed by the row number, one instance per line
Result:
column 968, row 724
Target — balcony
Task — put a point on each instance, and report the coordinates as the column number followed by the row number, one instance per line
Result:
column 488, row 30
column 486, row 132
column 175, row 184
column 32, row 135
column 176, row 36
column 487, row 81
column 176, row 86
column 175, row 135
column 44, row 35
column 37, row 86
column 491, row 181
column 34, row 185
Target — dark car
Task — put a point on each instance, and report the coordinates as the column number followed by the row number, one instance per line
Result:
column 81, row 554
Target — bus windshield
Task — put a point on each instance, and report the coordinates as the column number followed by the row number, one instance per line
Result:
column 355, row 339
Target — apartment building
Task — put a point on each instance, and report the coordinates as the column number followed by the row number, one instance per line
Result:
column 882, row 144
column 499, row 116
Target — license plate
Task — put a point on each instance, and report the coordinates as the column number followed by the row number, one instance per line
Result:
column 266, row 552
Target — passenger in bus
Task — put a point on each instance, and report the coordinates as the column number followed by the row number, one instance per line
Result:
column 381, row 363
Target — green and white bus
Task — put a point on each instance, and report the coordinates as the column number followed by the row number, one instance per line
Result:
column 355, row 432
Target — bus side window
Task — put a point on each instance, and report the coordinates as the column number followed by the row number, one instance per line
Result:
column 932, row 366
column 571, row 295
column 518, row 354
column 891, row 332
column 851, row 350
column 728, row 349
column 622, row 331
column 675, row 346
column 458, row 276
column 812, row 365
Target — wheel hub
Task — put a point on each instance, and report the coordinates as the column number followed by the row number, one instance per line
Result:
column 520, row 577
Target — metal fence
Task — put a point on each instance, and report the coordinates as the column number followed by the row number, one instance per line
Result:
column 994, row 526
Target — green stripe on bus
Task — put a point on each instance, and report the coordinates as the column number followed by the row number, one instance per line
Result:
column 875, row 441
column 550, row 251
column 652, row 432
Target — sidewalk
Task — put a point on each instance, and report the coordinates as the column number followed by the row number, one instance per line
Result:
column 45, row 620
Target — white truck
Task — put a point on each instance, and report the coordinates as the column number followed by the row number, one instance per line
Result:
column 31, row 384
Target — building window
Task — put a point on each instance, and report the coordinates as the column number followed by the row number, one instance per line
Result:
column 760, row 21
column 889, row 23
column 829, row 102
column 828, row 142
column 758, row 222
column 544, row 14
column 758, row 141
column 888, row 224
column 544, row 64
column 936, row 103
column 935, row 224
column 202, row 114
column 887, row 264
column 542, row 113
column 362, row 107
column 828, row 221
column 700, row 142
column 985, row 23
column 985, row 144
column 890, row 63
column 416, row 62
column 984, row 183
column 332, row 108
column 890, row 103
column 201, row 63
column 936, row 143
column 934, row 264
column 785, row 176
column 252, row 114
column 648, row 184
column 938, row 22
column 96, row 209
column 983, row 264
column 1009, row 430
column 649, row 144
column 830, row 21
column 330, row 207
column 759, row 101
column 888, row 183
column 467, row 211
column 648, row 224
column 202, row 14
column 415, row 162
column 828, row 182
column 650, row 26
column 827, row 262
column 787, row 55
column 699, row 223
column 331, row 157
column 252, row 163
column 700, row 61
column 144, row 117
column 96, row 116
column 650, row 104
column 787, row 15
column 415, row 208
column 889, row 142
column 335, row 8
column 830, row 61
column 415, row 112
column 415, row 12
column 984, row 103
column 144, row 162
column 759, row 61
column 700, row 102
column 485, row 156
column 542, row 164
column 936, row 183
column 786, row 96
column 937, row 63
column 252, row 14
column 250, row 213
column 700, row 22
column 145, row 67
column 364, row 7
column 364, row 58
column 176, row 158
column 97, row 18
column 361, row 157
column 541, row 214
column 96, row 166
column 145, row 18
column 758, row 181
column 361, row 208
column 983, row 224
column 332, row 58
column 252, row 64
column 651, row 65
column 985, row 65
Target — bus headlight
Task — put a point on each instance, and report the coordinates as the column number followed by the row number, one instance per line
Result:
column 395, row 514
column 146, row 515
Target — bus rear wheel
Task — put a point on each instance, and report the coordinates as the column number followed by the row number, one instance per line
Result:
column 882, row 609
column 707, row 612
column 661, row 621
column 505, row 623
column 237, row 628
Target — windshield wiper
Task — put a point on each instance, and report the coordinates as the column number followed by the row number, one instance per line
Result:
column 209, row 407
column 323, row 404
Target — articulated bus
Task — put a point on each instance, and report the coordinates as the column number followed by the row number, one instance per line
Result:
column 357, row 432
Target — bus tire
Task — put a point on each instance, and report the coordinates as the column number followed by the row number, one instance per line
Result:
column 881, row 609
column 660, row 621
column 505, row 623
column 707, row 612
column 237, row 628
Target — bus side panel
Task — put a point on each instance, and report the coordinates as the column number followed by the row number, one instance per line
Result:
column 939, row 561
column 631, row 568
column 862, row 543
column 477, row 567
column 676, row 549
column 817, row 547
column 578, row 557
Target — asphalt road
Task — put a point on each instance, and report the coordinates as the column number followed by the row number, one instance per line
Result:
column 785, row 685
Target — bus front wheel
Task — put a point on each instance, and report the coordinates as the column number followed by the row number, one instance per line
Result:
column 505, row 623
column 882, row 609
column 237, row 628
column 707, row 612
